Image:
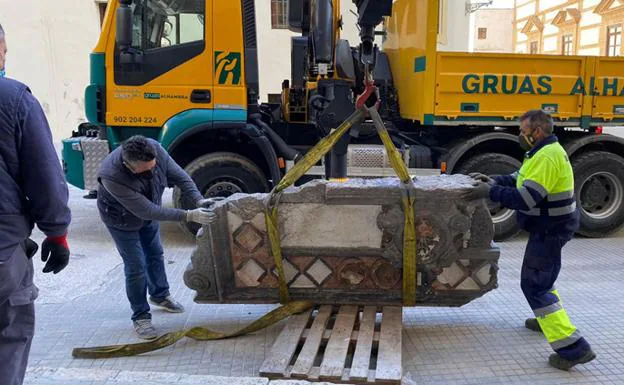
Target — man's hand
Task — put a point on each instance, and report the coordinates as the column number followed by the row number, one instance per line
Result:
column 482, row 178
column 55, row 251
column 207, row 203
column 480, row 190
column 201, row 216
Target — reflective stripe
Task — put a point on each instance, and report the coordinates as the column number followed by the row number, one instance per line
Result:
column 554, row 212
column 534, row 212
column 557, row 211
column 527, row 197
column 561, row 196
column 544, row 311
column 536, row 186
column 566, row 341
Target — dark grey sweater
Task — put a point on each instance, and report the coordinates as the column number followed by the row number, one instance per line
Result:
column 141, row 197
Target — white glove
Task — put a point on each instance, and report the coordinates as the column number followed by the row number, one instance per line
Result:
column 201, row 216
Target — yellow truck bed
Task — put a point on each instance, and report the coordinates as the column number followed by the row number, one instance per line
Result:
column 449, row 88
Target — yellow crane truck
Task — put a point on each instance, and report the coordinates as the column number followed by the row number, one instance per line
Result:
column 185, row 72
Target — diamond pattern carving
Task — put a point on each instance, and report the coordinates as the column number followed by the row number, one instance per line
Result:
column 289, row 271
column 248, row 238
column 319, row 271
column 452, row 275
column 250, row 273
column 468, row 284
column 303, row 282
column 483, row 275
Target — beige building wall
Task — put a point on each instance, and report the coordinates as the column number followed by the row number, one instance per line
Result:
column 493, row 30
column 454, row 28
column 577, row 27
column 49, row 44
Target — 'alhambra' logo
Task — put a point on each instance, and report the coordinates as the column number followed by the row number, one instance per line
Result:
column 228, row 67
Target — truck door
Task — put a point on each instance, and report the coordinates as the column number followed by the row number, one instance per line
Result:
column 168, row 69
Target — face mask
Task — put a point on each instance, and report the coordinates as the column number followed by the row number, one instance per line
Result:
column 526, row 141
column 2, row 73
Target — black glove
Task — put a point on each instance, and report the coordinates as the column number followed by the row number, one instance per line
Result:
column 482, row 178
column 480, row 190
column 31, row 247
column 55, row 251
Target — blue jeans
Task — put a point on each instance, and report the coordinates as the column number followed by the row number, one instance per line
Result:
column 144, row 266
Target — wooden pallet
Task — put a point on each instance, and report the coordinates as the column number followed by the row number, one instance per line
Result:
column 346, row 344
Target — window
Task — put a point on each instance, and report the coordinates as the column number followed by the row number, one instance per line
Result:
column 567, row 46
column 482, row 33
column 279, row 14
column 614, row 40
column 158, row 23
column 534, row 49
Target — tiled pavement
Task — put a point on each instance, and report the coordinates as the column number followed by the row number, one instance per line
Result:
column 483, row 342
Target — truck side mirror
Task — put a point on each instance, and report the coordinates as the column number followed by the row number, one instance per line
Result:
column 124, row 25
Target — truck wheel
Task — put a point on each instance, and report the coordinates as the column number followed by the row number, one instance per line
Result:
column 599, row 187
column 220, row 174
column 505, row 225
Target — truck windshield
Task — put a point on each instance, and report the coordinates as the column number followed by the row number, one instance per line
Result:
column 163, row 23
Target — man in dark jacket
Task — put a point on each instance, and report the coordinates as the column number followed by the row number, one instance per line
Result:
column 542, row 192
column 132, row 181
column 32, row 191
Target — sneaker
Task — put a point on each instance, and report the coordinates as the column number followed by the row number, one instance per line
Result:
column 168, row 304
column 556, row 361
column 144, row 329
column 532, row 324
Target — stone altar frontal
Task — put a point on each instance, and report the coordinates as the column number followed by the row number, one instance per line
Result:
column 342, row 243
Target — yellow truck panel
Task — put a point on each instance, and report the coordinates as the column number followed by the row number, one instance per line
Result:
column 608, row 98
column 411, row 49
column 449, row 88
column 501, row 87
column 230, row 91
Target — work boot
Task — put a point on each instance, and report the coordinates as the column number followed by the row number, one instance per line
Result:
column 168, row 304
column 144, row 329
column 532, row 324
column 556, row 361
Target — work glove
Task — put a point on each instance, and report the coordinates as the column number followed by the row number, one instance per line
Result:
column 55, row 251
column 482, row 178
column 201, row 216
column 207, row 203
column 480, row 190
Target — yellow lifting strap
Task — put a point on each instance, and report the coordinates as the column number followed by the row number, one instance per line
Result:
column 196, row 333
column 310, row 159
column 408, row 198
column 299, row 169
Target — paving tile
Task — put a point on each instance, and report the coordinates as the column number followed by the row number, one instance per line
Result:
column 483, row 342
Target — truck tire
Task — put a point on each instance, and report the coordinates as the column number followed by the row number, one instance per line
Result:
column 599, row 187
column 505, row 224
column 220, row 174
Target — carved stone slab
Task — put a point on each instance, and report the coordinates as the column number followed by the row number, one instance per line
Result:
column 342, row 243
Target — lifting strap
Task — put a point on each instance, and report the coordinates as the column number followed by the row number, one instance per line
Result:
column 310, row 159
